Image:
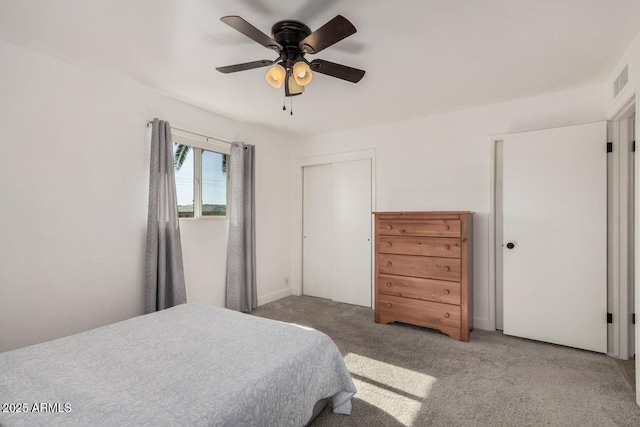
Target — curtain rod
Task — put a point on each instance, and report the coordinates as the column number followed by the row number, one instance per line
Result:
column 149, row 122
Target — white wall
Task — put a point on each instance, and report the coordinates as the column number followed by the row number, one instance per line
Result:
column 74, row 172
column 443, row 162
column 631, row 58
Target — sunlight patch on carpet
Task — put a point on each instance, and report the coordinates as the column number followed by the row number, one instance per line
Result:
column 395, row 390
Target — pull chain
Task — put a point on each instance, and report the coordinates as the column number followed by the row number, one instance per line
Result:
column 291, row 105
column 284, row 103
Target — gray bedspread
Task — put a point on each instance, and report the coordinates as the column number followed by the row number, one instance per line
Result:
column 190, row 365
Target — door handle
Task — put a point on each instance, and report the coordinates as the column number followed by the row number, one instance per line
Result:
column 510, row 245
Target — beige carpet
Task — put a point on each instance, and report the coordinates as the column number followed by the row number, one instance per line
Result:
column 411, row 376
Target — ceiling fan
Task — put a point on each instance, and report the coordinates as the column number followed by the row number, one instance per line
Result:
column 292, row 40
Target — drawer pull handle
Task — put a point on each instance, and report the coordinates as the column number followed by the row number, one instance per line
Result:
column 389, row 304
column 388, row 244
column 447, row 247
column 447, row 268
column 447, row 291
column 446, row 227
column 388, row 284
column 388, row 227
column 447, row 315
column 389, row 264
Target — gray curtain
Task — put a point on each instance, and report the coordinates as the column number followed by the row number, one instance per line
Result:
column 241, row 251
column 164, row 276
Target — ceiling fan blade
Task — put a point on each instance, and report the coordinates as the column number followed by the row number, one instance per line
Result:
column 330, row 33
column 252, row 32
column 340, row 71
column 245, row 66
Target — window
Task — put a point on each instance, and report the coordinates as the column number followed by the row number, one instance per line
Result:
column 214, row 183
column 201, row 181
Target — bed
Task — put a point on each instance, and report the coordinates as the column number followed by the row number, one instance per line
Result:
column 190, row 365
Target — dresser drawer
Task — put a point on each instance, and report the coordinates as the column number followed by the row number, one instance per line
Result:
column 426, row 246
column 424, row 289
column 432, row 227
column 419, row 312
column 419, row 266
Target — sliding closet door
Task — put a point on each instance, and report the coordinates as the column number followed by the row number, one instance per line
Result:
column 316, row 237
column 351, row 224
column 336, row 260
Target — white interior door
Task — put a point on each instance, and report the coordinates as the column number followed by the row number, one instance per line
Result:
column 555, row 216
column 336, row 259
column 352, row 232
column 316, row 237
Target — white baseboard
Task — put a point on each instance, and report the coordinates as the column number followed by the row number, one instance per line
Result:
column 264, row 299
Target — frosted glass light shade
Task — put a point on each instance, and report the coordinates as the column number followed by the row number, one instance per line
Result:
column 275, row 76
column 293, row 87
column 302, row 73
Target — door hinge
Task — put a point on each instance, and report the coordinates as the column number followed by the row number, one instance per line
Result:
column 609, row 317
column 633, row 318
column 633, row 146
column 609, row 147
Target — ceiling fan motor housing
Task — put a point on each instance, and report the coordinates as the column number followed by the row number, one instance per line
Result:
column 289, row 34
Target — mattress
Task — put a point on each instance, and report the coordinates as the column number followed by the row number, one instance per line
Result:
column 190, row 365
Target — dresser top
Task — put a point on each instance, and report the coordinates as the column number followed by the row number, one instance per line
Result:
column 425, row 212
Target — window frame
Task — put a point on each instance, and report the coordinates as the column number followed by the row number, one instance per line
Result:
column 198, row 144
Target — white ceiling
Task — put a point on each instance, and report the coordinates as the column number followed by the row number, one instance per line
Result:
column 421, row 57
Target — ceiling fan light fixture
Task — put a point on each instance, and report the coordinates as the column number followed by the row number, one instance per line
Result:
column 302, row 73
column 292, row 40
column 292, row 88
column 276, row 75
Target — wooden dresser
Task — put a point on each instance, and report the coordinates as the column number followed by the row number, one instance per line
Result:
column 424, row 270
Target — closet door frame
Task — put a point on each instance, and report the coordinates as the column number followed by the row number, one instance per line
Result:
column 296, row 233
